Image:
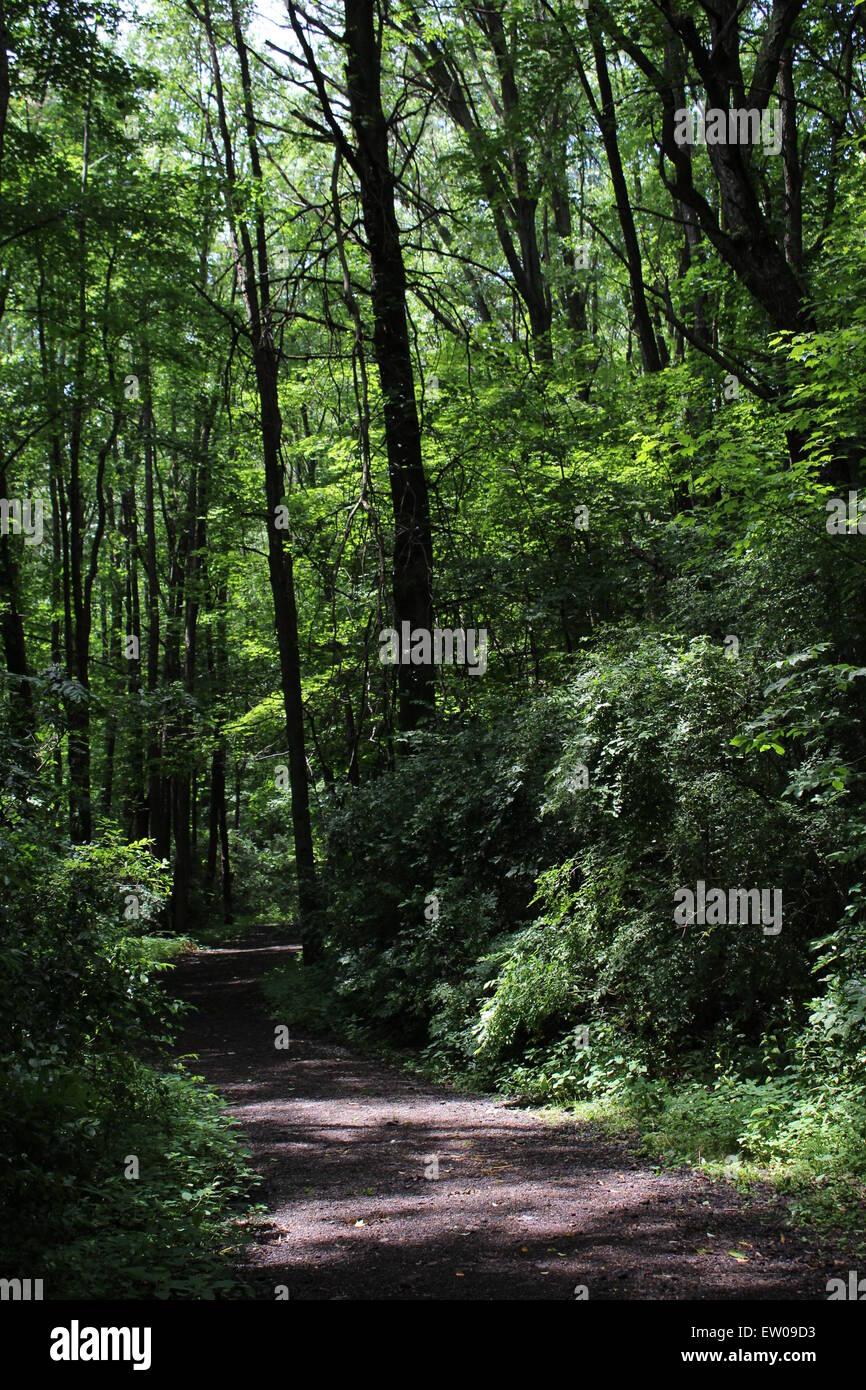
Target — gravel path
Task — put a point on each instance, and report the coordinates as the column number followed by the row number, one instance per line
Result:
column 381, row 1186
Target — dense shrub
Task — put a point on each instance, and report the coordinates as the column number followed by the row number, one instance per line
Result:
column 81, row 997
column 485, row 903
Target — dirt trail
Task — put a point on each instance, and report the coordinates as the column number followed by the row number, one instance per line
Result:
column 522, row 1208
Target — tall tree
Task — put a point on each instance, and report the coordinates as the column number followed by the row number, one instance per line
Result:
column 254, row 272
column 369, row 157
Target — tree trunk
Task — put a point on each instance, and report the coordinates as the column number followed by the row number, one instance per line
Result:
column 135, row 788
column 112, row 658
column 606, row 116
column 156, row 805
column 413, row 545
column 253, row 268
column 12, row 628
column 217, row 659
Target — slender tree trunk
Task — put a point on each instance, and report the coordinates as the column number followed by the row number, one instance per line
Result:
column 218, row 843
column 4, row 88
column 413, row 543
column 112, row 657
column 78, row 636
column 157, row 817
column 12, row 629
column 574, row 298
column 191, row 553
column 606, row 115
column 135, row 799
column 225, row 866
column 255, row 274
column 675, row 74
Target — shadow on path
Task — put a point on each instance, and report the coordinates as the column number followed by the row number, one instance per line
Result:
column 381, row 1186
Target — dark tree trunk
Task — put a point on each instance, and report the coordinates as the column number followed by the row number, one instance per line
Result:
column 12, row 628
column 606, row 116
column 217, row 660
column 743, row 236
column 218, row 837
column 4, row 88
column 674, row 71
column 112, row 658
column 135, row 789
column 573, row 296
column 78, row 631
column 253, row 268
column 191, row 557
column 156, row 801
column 413, row 545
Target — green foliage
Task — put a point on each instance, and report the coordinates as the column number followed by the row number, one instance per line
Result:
column 683, row 782
column 81, row 995
column 450, row 823
column 675, row 689
column 302, row 997
column 166, row 1233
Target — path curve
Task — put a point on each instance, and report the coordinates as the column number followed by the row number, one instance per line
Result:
column 522, row 1208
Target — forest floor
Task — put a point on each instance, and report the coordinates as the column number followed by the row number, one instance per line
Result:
column 525, row 1206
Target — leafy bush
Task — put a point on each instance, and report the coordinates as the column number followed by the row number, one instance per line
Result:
column 81, row 996
column 739, row 772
